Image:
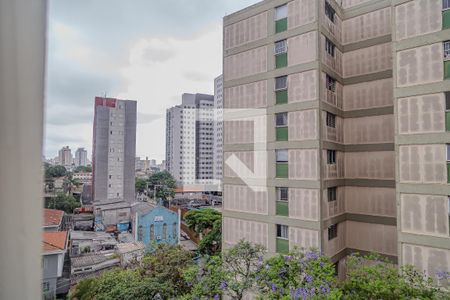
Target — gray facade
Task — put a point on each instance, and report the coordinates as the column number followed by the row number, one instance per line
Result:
column 114, row 151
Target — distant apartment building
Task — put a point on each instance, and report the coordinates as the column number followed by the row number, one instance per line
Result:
column 114, row 152
column 218, row 129
column 189, row 140
column 65, row 157
column 355, row 154
column 81, row 158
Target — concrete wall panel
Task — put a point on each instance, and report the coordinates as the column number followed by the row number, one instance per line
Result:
column 303, row 238
column 303, row 164
column 367, row 26
column 423, row 164
column 432, row 261
column 421, row 114
column 334, row 98
column 378, row 93
column 334, row 28
column 247, row 168
column 336, row 245
column 333, row 208
column 418, row 17
column 369, row 130
column 235, row 230
column 370, row 201
column 370, row 165
column 252, row 95
column 424, row 214
column 302, row 48
column 246, row 63
column 334, row 171
column 245, row 131
column 245, row 31
column 303, row 86
column 367, row 60
column 245, row 199
column 351, row 3
column 334, row 62
column 420, row 65
column 331, row 134
column 372, row 237
column 301, row 12
column 304, row 204
column 303, row 125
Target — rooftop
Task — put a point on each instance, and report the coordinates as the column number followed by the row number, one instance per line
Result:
column 91, row 235
column 92, row 259
column 130, row 247
column 54, row 241
column 52, row 217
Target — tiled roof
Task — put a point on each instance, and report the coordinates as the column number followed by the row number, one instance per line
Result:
column 54, row 241
column 52, row 217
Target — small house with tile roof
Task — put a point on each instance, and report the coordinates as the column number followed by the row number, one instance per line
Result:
column 53, row 219
column 54, row 248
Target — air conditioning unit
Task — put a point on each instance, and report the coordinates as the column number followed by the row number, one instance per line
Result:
column 158, row 237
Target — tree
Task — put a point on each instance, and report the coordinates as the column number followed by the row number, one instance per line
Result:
column 234, row 273
column 70, row 183
column 83, row 169
column 141, row 185
column 63, row 202
column 371, row 277
column 298, row 275
column 167, row 264
column 54, row 171
column 208, row 224
column 164, row 184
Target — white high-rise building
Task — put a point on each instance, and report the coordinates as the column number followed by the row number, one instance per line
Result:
column 218, row 130
column 189, row 140
column 81, row 157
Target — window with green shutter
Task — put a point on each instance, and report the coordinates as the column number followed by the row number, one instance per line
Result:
column 281, row 90
column 448, row 163
column 282, row 204
column 281, row 20
column 447, row 111
column 281, row 122
column 282, row 170
column 446, row 46
column 282, row 242
column 281, row 57
column 445, row 14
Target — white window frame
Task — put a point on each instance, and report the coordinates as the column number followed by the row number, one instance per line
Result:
column 446, row 50
column 281, row 78
column 279, row 155
column 279, row 193
column 284, row 119
column 284, row 232
column 445, row 4
column 281, row 12
column 281, row 47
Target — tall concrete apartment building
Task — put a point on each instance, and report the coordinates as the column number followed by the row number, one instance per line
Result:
column 356, row 101
column 189, row 140
column 114, row 152
column 65, row 157
column 80, row 157
column 218, row 129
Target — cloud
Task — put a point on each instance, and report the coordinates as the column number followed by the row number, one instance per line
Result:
column 144, row 118
column 196, row 76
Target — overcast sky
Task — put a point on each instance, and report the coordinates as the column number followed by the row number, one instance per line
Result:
column 151, row 51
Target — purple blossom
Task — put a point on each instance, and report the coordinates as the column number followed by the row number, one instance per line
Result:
column 325, row 289
column 216, row 297
column 287, row 258
column 309, row 278
column 274, row 288
column 443, row 275
column 223, row 285
column 322, row 264
column 311, row 255
column 189, row 283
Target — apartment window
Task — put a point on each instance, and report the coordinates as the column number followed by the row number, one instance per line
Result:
column 281, row 156
column 164, row 233
column 331, row 120
column 46, row 286
column 447, row 50
column 282, row 193
column 331, row 83
column 152, row 232
column 331, row 157
column 281, row 83
column 281, row 119
column 332, row 194
column 174, row 230
column 280, row 47
column 445, row 4
column 329, row 47
column 332, row 232
column 329, row 11
column 447, row 111
column 281, row 20
column 282, row 232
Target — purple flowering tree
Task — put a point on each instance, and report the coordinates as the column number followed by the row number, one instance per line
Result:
column 298, row 275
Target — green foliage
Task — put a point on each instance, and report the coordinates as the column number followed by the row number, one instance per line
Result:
column 141, row 185
column 83, row 169
column 232, row 274
column 372, row 277
column 207, row 222
column 63, row 202
column 54, row 171
column 164, row 183
column 70, row 183
column 298, row 275
column 167, row 265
